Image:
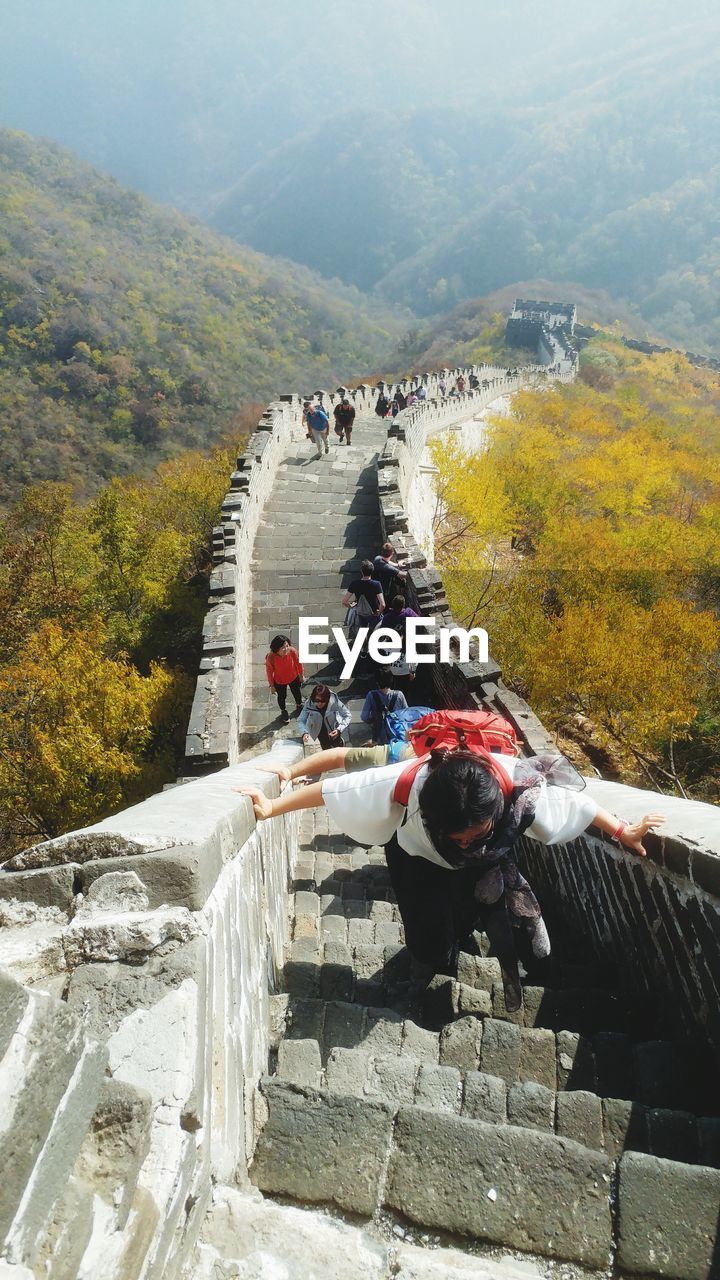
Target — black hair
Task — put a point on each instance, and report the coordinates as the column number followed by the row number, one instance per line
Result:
column 322, row 690
column 398, row 602
column 277, row 643
column 459, row 792
column 367, row 567
column 384, row 680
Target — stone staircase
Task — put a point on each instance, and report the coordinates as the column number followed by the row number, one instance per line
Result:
column 536, row 1131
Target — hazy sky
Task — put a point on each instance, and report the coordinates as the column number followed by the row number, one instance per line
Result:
column 179, row 97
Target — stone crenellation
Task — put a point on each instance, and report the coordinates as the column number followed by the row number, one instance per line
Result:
column 194, row 1005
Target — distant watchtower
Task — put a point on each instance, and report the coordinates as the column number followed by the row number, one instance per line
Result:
column 547, row 326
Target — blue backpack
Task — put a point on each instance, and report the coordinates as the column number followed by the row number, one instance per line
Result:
column 397, row 723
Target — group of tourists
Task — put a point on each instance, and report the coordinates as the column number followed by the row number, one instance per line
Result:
column 317, row 422
column 444, row 792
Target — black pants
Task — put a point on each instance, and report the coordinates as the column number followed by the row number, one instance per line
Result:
column 281, row 691
column 439, row 910
column 326, row 742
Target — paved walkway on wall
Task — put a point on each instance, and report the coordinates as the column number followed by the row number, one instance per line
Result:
column 320, row 522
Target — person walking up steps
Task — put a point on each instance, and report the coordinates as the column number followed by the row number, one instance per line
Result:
column 379, row 703
column 344, row 416
column 284, row 671
column 319, row 425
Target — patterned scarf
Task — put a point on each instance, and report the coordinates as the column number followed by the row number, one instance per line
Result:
column 506, row 899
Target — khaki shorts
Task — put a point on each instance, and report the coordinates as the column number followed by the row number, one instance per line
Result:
column 372, row 757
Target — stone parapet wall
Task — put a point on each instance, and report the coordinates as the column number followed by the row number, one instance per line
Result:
column 126, row 1100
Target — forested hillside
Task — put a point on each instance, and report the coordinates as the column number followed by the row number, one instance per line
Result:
column 129, row 333
column 586, row 540
column 605, row 176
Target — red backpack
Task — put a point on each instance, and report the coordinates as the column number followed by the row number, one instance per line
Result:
column 481, row 732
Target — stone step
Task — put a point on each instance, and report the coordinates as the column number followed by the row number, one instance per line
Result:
column 340, row 1024
column 508, row 1185
column 656, row 1074
column 403, row 1079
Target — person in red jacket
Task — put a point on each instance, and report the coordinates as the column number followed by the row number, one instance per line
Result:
column 284, row 668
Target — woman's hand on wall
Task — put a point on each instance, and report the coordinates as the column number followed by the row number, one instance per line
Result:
column 262, row 804
column 632, row 836
column 280, row 770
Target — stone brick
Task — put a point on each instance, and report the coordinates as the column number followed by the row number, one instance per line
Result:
column 116, row 1145
column 418, row 1042
column 550, row 1196
column 485, row 1098
column 301, row 974
column 299, row 1062
column 473, row 1000
column 393, row 1079
column 322, row 1148
column 343, row 1025
column 438, row 1088
column 383, row 1031
column 306, row 1019
column 460, row 1044
column 47, row 887
column 347, row 1071
column 478, row 971
column 531, row 1105
column 500, row 1053
column 579, row 1116
column 668, row 1218
column 625, row 1126
column 537, row 1056
column 575, row 1062
column 13, row 1003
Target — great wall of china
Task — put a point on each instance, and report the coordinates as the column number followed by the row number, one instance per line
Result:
column 196, row 1009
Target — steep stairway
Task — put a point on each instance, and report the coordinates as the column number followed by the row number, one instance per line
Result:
column 436, row 1106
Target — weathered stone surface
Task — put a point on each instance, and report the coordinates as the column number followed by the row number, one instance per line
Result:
column 473, row 1001
column 322, row 1147
column 299, row 1062
column 177, row 878
column 48, row 887
column 460, row 1044
column 393, row 1079
column 537, row 1056
column 248, row 1235
column 668, row 1218
column 438, row 1087
column 80, row 847
column 485, row 1098
column 625, row 1126
column 347, row 1071
column 13, row 1003
column 116, row 891
column 111, row 936
column 48, row 1047
column 105, row 994
column 116, row 1145
column 500, row 1053
column 420, row 1043
column 413, row 1263
column 531, row 1105
column 67, row 1235
column 550, row 1196
column 579, row 1116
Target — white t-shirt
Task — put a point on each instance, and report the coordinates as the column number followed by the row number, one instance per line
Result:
column 361, row 804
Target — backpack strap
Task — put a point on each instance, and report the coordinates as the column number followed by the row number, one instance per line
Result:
column 404, row 783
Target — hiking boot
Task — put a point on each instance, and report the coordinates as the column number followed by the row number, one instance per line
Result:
column 327, row 450
column 284, row 716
